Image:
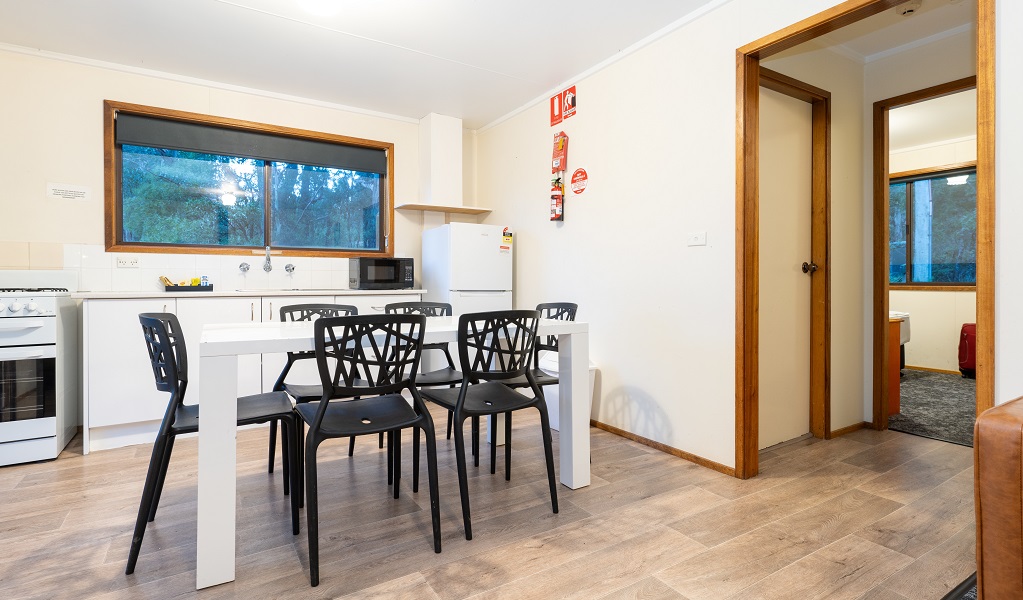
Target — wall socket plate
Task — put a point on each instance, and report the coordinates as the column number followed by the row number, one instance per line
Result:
column 128, row 261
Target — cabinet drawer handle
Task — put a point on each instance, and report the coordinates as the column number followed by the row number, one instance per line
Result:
column 377, row 308
column 252, row 311
column 271, row 311
column 164, row 308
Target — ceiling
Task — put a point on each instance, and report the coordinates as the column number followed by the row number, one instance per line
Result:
column 473, row 59
column 932, row 121
column 477, row 60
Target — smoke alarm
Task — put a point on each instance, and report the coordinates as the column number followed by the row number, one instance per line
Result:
column 908, row 9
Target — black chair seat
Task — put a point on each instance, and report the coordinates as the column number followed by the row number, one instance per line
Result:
column 486, row 398
column 259, row 408
column 360, row 417
column 541, row 377
column 303, row 393
column 445, row 376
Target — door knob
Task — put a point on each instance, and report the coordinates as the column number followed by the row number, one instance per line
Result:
column 809, row 267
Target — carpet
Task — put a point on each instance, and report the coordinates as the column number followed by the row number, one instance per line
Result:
column 941, row 406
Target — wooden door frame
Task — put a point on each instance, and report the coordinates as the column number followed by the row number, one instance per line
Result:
column 881, row 275
column 746, row 215
column 820, row 242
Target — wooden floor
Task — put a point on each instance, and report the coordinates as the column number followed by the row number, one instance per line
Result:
column 872, row 515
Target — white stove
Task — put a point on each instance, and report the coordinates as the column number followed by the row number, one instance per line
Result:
column 38, row 365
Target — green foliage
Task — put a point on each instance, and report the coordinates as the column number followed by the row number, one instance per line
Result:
column 177, row 197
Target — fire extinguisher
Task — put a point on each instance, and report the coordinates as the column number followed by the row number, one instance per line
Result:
column 557, row 200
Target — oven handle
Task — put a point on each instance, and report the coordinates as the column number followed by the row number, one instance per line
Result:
column 18, row 324
column 28, row 352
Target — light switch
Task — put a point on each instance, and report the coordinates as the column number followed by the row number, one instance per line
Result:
column 696, row 238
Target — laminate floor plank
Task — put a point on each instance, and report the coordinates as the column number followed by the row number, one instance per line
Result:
column 928, row 521
column 845, row 569
column 719, row 524
column 635, row 532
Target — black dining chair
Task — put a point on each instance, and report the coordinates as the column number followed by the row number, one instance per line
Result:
column 348, row 348
column 166, row 346
column 494, row 347
column 302, row 392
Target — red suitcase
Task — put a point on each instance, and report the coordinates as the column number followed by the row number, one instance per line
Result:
column 968, row 350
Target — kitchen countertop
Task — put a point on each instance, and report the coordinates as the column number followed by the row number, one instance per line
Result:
column 238, row 294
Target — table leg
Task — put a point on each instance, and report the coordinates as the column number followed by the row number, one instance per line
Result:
column 218, row 418
column 574, row 387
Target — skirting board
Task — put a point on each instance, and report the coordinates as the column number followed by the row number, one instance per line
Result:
column 850, row 429
column 703, row 462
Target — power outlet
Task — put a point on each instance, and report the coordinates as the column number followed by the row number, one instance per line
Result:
column 128, row 261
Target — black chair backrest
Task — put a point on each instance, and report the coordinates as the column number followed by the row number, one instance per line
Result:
column 384, row 349
column 562, row 311
column 166, row 346
column 496, row 345
column 310, row 312
column 429, row 309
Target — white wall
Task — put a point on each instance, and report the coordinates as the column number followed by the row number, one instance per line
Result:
column 1008, row 203
column 51, row 116
column 656, row 132
column 938, row 154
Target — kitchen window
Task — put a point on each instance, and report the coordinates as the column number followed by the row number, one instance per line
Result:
column 181, row 182
column 932, row 226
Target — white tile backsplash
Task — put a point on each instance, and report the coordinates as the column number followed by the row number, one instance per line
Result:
column 97, row 270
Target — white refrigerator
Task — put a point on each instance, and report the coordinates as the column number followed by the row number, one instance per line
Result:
column 469, row 266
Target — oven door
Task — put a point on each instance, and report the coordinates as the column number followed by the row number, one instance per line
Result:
column 28, row 406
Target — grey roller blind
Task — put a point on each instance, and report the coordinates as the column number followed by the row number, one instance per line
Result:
column 138, row 130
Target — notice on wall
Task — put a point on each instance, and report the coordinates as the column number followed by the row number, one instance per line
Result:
column 579, row 181
column 562, row 106
column 67, row 191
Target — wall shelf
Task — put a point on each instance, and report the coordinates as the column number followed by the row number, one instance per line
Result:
column 461, row 210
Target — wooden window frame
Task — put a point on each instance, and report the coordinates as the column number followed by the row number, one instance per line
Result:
column 112, row 182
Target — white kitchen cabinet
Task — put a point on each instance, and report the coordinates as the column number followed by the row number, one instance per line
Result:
column 193, row 313
column 303, row 371
column 374, row 304
column 118, row 385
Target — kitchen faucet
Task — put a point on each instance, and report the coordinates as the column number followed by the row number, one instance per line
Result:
column 267, row 266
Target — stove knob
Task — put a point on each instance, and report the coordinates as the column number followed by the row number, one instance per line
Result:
column 16, row 307
column 32, row 307
column 3, row 307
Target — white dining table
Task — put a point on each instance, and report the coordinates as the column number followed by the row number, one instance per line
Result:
column 219, row 349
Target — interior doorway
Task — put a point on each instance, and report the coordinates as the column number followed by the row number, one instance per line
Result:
column 922, row 260
column 794, row 258
column 747, row 206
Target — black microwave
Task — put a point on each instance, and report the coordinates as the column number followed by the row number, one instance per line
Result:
column 369, row 273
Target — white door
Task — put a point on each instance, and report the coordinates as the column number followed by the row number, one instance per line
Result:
column 481, row 259
column 785, row 222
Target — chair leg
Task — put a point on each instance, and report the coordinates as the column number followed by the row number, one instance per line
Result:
column 493, row 448
column 169, row 446
column 300, row 441
column 475, row 441
column 273, row 445
column 449, row 424
column 145, row 505
column 397, row 460
column 390, row 458
column 463, row 484
column 431, row 468
column 351, row 445
column 545, row 424
column 291, row 467
column 415, row 460
column 380, row 440
column 287, row 455
column 311, row 515
column 507, row 445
